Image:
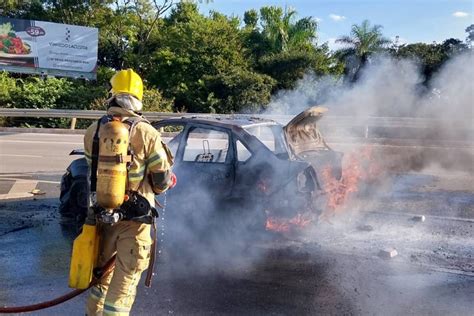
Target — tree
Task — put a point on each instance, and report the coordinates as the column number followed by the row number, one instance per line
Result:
column 127, row 31
column 284, row 47
column 251, row 19
column 24, row 10
column 431, row 57
column 470, row 34
column 363, row 41
column 283, row 32
column 289, row 67
column 200, row 62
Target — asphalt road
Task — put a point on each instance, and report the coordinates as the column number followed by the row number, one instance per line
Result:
column 37, row 153
column 333, row 268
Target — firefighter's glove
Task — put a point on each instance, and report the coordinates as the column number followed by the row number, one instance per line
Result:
column 173, row 180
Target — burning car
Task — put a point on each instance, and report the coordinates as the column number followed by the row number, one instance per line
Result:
column 249, row 167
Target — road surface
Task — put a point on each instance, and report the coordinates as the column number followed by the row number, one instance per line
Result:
column 333, row 268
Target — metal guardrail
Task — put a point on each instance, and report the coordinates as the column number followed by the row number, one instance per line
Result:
column 343, row 120
column 363, row 124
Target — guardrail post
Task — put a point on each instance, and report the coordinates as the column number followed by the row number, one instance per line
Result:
column 73, row 123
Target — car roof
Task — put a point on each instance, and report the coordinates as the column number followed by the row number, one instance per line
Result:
column 223, row 121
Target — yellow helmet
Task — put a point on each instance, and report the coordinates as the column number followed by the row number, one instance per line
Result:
column 127, row 81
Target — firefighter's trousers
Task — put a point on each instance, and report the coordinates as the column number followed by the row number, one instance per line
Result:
column 115, row 294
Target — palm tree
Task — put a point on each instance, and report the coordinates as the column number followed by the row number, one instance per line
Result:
column 364, row 41
column 282, row 33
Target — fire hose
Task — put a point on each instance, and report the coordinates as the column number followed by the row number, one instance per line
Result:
column 98, row 275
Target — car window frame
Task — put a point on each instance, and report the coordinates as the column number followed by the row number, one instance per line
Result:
column 184, row 138
column 245, row 144
column 160, row 124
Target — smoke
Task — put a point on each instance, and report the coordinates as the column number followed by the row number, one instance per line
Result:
column 395, row 88
column 387, row 87
column 210, row 234
column 378, row 214
column 201, row 226
column 454, row 87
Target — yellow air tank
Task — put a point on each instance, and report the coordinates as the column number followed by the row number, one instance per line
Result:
column 112, row 165
column 84, row 257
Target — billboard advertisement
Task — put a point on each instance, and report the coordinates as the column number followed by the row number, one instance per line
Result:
column 48, row 48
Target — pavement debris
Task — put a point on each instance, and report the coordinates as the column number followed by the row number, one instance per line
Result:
column 419, row 218
column 37, row 192
column 388, row 253
column 365, row 228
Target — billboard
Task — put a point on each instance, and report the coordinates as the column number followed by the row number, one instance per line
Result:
column 47, row 48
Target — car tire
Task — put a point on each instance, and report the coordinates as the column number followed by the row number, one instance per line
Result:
column 74, row 203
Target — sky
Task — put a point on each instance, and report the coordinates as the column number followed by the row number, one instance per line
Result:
column 412, row 20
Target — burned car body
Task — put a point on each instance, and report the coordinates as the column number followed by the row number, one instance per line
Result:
column 251, row 165
column 73, row 196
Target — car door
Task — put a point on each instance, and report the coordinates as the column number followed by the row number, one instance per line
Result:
column 204, row 163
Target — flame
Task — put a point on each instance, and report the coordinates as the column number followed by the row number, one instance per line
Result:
column 277, row 225
column 283, row 225
column 358, row 166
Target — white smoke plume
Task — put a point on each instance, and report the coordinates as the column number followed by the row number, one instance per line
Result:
column 391, row 87
column 388, row 87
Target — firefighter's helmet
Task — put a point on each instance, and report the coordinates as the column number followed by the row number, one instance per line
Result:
column 127, row 82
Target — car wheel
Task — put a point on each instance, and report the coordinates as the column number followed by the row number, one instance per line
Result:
column 74, row 205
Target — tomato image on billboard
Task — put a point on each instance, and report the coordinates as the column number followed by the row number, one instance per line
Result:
column 10, row 43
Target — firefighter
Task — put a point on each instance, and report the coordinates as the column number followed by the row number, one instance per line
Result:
column 126, row 232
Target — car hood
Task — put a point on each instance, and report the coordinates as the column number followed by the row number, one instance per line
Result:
column 302, row 133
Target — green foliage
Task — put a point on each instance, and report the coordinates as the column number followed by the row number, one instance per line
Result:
column 251, row 19
column 280, row 30
column 34, row 92
column 239, row 91
column 289, row 67
column 284, row 47
column 153, row 101
column 431, row 57
column 286, row 68
column 51, row 93
column 7, row 87
column 198, row 50
column 365, row 40
column 470, row 33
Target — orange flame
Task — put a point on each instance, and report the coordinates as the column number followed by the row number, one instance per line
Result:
column 358, row 166
column 282, row 225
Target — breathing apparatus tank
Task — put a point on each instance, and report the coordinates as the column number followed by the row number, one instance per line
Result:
column 112, row 165
column 111, row 184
